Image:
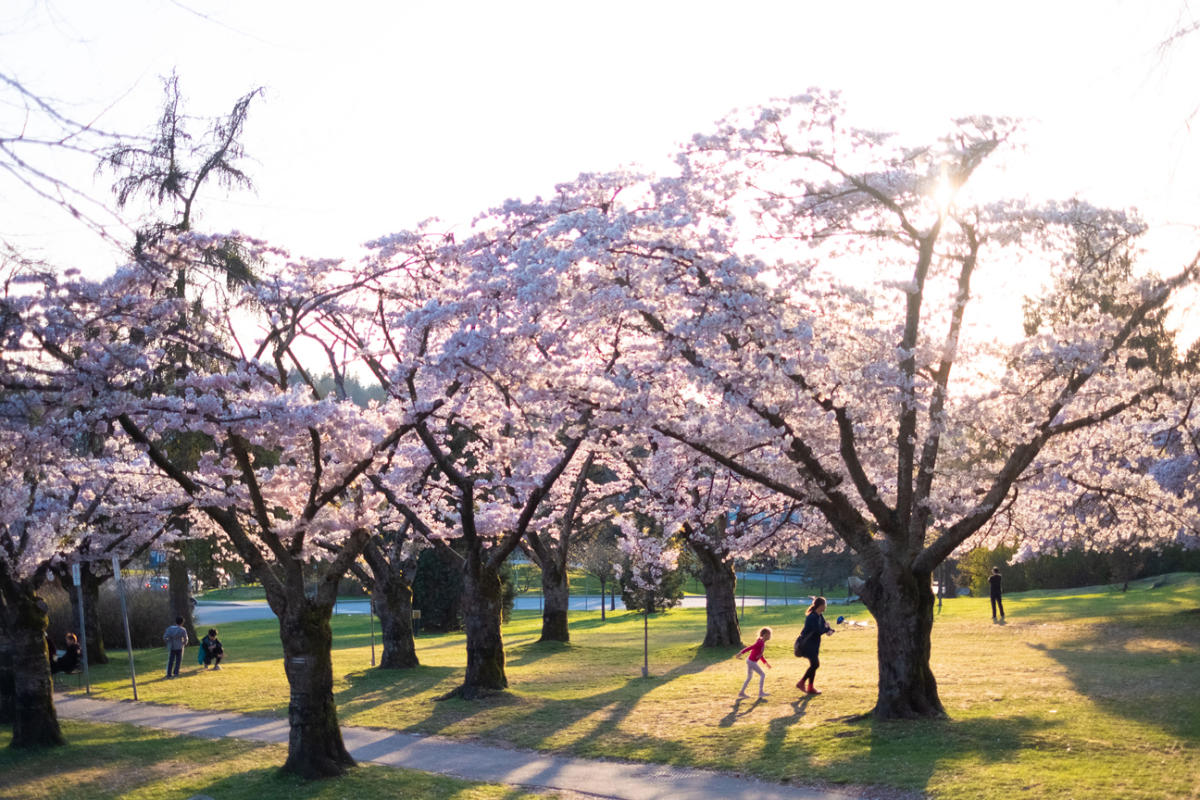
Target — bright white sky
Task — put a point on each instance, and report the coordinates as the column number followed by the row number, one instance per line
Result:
column 377, row 115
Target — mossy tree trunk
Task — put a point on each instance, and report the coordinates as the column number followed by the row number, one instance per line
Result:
column 315, row 746
column 482, row 610
column 556, row 598
column 903, row 605
column 392, row 600
column 721, row 627
column 180, row 590
column 34, row 720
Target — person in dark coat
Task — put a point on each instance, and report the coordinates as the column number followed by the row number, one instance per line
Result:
column 211, row 649
column 994, row 587
column 71, row 658
column 809, row 643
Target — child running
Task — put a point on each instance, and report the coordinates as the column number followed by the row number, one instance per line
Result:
column 756, row 655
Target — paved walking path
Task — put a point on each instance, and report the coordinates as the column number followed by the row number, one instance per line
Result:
column 526, row 768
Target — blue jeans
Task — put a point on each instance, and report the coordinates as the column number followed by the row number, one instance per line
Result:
column 174, row 658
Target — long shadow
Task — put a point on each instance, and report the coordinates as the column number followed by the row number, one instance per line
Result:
column 520, row 655
column 553, row 716
column 883, row 752
column 1144, row 671
column 371, row 687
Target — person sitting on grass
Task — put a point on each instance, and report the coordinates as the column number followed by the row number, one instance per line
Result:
column 212, row 649
column 71, row 658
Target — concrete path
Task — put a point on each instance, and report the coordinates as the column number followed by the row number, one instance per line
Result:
column 533, row 770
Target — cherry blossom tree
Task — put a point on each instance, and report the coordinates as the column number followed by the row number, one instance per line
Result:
column 388, row 566
column 819, row 339
column 718, row 515
column 812, row 306
column 69, row 490
column 651, row 557
column 481, row 328
column 284, row 478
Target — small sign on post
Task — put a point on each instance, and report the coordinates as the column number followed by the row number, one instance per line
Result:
column 116, row 562
column 77, row 578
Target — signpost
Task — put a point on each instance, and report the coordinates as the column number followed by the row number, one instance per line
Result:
column 371, row 615
column 75, row 576
column 125, row 619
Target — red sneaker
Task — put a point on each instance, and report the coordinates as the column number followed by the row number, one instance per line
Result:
column 812, row 689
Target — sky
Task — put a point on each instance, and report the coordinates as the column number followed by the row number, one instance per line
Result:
column 376, row 115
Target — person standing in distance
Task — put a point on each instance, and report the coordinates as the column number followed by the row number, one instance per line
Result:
column 176, row 638
column 994, row 586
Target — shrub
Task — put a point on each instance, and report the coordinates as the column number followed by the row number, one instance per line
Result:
column 149, row 615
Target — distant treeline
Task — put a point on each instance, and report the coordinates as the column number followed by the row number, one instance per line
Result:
column 1075, row 566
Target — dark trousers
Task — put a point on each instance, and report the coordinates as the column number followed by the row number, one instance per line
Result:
column 174, row 659
column 997, row 603
column 811, row 673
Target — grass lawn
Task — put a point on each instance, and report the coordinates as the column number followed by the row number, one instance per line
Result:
column 1088, row 693
column 120, row 761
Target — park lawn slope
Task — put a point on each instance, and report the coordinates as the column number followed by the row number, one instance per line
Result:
column 1092, row 693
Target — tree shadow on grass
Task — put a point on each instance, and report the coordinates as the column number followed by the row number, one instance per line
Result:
column 909, row 753
column 375, row 686
column 520, row 655
column 544, row 718
column 1145, row 672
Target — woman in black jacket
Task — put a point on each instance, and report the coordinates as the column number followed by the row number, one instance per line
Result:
column 71, row 659
column 809, row 643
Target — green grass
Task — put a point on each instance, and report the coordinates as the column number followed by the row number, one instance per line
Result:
column 1084, row 694
column 120, row 761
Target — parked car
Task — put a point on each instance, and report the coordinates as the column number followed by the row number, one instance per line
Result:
column 157, row 582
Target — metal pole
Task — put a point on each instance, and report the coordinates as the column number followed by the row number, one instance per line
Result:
column 87, row 678
column 125, row 620
column 646, row 636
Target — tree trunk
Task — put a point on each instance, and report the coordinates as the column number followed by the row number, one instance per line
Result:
column 392, row 598
column 485, row 646
column 181, row 595
column 903, row 606
column 556, row 596
column 90, row 583
column 603, row 584
column 8, row 686
column 315, row 746
column 720, row 598
column 34, row 720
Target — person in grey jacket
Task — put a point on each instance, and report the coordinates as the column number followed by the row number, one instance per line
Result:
column 176, row 638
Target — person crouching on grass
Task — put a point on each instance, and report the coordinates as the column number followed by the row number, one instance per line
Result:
column 756, row 655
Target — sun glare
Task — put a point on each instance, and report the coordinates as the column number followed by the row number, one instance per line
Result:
column 943, row 193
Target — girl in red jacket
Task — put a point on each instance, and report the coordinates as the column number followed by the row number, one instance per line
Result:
column 756, row 655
